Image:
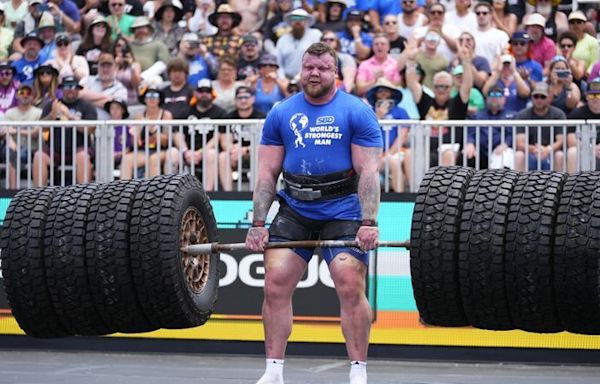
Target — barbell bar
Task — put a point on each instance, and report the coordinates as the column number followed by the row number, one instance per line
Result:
column 208, row 248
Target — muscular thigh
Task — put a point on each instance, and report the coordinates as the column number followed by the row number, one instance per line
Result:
column 283, row 268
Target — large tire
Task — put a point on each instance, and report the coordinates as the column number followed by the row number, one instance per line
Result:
column 107, row 257
column 66, row 270
column 577, row 254
column 23, row 268
column 529, row 251
column 174, row 289
column 482, row 246
column 434, row 245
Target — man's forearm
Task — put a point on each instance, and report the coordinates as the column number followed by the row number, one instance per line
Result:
column 264, row 194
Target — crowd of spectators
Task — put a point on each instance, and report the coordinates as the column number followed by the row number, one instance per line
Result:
column 196, row 59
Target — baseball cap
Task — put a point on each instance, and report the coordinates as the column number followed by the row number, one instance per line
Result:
column 520, row 36
column 249, row 38
column 70, row 81
column 354, row 15
column 62, row 37
column 244, row 89
column 594, row 86
column 506, row 58
column 190, row 37
column 432, row 36
column 495, row 92
column 204, row 84
column 540, row 89
column 458, row 70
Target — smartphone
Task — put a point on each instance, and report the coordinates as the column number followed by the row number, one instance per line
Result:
column 43, row 7
column 563, row 73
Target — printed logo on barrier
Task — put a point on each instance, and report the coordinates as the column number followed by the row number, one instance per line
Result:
column 298, row 123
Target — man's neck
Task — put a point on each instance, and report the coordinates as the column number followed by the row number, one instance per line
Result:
column 24, row 107
column 177, row 87
column 323, row 99
column 485, row 28
column 462, row 12
column 541, row 111
column 201, row 109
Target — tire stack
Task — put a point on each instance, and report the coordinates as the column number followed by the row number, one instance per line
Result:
column 526, row 253
column 96, row 259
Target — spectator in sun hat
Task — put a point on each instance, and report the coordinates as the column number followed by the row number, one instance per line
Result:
column 542, row 48
column 8, row 87
column 331, row 15
column 32, row 44
column 291, row 46
column 226, row 40
column 166, row 25
column 45, row 85
column 47, row 32
column 149, row 52
column 276, row 26
column 556, row 20
column 587, row 48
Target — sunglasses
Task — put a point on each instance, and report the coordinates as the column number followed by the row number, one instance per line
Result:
column 520, row 43
column 63, row 44
column 24, row 92
column 328, row 39
column 567, row 45
column 152, row 95
column 576, row 21
column 117, row 5
column 593, row 96
column 245, row 97
column 6, row 73
column 441, row 87
column 482, row 13
column 495, row 94
column 539, row 96
column 70, row 86
column 436, row 13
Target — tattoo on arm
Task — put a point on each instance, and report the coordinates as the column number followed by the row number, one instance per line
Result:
column 368, row 182
column 264, row 194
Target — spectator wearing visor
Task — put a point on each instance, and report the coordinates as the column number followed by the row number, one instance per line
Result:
column 66, row 61
column 353, row 40
column 541, row 148
column 23, row 111
column 500, row 154
column 530, row 70
column 247, row 66
column 291, row 46
column 235, row 146
column 189, row 50
column 270, row 88
column 8, row 87
column 69, row 108
column 32, row 44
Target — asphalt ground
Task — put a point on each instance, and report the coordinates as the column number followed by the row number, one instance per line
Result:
column 70, row 367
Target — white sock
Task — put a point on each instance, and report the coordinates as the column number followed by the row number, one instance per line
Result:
column 273, row 372
column 358, row 372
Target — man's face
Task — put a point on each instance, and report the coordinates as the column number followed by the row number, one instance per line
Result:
column 225, row 22
column 318, row 74
column 495, row 102
column 70, row 93
column 203, row 97
column 244, row 101
column 484, row 16
column 441, row 89
column 116, row 7
column 141, row 33
column 285, row 5
column 298, row 26
column 466, row 41
column 25, row 96
column 520, row 47
column 576, row 25
column 436, row 15
column 381, row 46
column 177, row 76
column 106, row 71
column 535, row 32
column 593, row 100
column 190, row 48
column 249, row 50
column 335, row 9
column 463, row 4
column 32, row 48
column 409, row 6
column 540, row 100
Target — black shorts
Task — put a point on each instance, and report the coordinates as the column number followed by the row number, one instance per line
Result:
column 289, row 225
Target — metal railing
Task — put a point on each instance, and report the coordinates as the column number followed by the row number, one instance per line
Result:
column 56, row 153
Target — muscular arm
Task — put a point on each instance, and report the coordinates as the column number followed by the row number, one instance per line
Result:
column 365, row 161
column 270, row 161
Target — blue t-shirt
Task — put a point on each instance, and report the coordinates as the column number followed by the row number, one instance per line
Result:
column 265, row 101
column 198, row 71
column 536, row 72
column 25, row 68
column 347, row 42
column 70, row 9
column 397, row 113
column 317, row 141
column 514, row 102
column 496, row 131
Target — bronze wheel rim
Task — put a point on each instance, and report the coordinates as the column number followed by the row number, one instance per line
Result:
column 196, row 269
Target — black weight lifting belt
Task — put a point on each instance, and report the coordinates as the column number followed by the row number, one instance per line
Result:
column 320, row 187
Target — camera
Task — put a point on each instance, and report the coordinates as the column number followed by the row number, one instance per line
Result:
column 43, row 8
column 563, row 73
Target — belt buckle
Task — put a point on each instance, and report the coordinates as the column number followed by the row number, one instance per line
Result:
column 305, row 194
